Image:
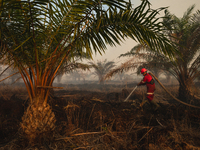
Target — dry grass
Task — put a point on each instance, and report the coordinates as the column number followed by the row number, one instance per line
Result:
column 6, row 91
column 95, row 121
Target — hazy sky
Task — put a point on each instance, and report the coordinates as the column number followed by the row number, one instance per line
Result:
column 177, row 7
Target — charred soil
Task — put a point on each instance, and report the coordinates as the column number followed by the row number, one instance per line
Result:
column 97, row 120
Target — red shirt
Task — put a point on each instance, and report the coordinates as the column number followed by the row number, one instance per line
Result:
column 146, row 80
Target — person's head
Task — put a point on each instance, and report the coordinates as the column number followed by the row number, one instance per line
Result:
column 143, row 71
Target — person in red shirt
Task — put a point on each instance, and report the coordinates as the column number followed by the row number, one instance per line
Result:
column 149, row 82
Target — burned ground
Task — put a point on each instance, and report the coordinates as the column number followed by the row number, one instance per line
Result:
column 99, row 119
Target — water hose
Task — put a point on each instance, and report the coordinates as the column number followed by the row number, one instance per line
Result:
column 171, row 94
column 130, row 94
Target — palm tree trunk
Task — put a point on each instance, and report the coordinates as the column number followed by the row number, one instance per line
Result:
column 38, row 122
column 101, row 80
column 185, row 93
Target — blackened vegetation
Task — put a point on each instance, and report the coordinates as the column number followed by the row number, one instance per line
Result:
column 101, row 120
column 11, row 111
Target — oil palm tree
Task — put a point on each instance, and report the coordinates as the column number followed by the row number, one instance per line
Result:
column 39, row 36
column 185, row 33
column 101, row 68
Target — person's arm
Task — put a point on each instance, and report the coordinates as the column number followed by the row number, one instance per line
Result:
column 141, row 83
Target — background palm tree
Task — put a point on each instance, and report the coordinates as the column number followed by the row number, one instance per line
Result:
column 38, row 37
column 185, row 33
column 101, row 68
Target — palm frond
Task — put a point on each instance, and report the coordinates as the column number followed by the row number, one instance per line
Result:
column 188, row 13
column 130, row 64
